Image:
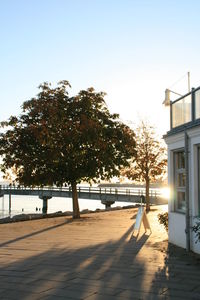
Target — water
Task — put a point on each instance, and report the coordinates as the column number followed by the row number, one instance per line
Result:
column 32, row 204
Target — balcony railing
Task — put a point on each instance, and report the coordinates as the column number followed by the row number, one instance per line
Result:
column 185, row 109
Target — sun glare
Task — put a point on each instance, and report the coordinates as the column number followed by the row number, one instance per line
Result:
column 165, row 192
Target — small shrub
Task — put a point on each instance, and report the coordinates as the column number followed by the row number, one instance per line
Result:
column 196, row 229
column 163, row 219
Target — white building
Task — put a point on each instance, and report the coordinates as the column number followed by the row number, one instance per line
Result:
column 183, row 142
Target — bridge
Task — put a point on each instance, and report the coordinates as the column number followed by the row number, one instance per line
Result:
column 107, row 196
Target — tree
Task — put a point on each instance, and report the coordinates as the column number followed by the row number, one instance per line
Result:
column 60, row 139
column 149, row 163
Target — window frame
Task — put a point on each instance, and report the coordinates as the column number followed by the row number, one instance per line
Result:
column 178, row 171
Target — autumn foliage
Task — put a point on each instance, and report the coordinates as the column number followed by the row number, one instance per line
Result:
column 60, row 139
column 150, row 162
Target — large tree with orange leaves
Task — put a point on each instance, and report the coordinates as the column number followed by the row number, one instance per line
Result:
column 60, row 139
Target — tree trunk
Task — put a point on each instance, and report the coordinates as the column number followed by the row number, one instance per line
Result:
column 147, row 196
column 76, row 212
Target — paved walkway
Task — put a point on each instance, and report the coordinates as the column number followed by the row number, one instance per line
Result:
column 96, row 257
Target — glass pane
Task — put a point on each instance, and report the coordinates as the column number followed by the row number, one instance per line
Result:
column 181, row 111
column 181, row 201
column 197, row 104
column 181, row 180
column 181, row 160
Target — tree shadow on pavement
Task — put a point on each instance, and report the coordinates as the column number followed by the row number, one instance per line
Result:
column 35, row 233
column 115, row 269
column 179, row 277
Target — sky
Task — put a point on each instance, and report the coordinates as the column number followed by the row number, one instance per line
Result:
column 131, row 49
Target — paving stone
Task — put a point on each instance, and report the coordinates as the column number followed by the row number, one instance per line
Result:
column 94, row 258
column 102, row 297
column 87, row 282
column 15, row 279
column 182, row 294
column 78, row 293
column 12, row 286
column 129, row 296
column 197, row 288
column 16, row 294
column 53, row 297
column 106, row 291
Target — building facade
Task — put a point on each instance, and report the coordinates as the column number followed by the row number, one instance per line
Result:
column 183, row 141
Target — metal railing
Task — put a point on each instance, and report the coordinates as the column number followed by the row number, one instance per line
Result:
column 185, row 109
column 84, row 189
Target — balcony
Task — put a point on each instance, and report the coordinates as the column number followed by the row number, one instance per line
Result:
column 185, row 111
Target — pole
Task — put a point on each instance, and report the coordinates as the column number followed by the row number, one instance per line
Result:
column 188, row 81
column 3, row 204
column 45, row 205
column 9, row 203
column 187, row 200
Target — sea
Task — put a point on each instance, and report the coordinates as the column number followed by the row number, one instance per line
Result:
column 32, row 204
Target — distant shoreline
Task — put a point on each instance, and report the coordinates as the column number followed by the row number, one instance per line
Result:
column 132, row 185
column 119, row 185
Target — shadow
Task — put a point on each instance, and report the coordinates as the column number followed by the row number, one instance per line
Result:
column 68, row 221
column 179, row 276
column 133, row 216
column 140, row 240
column 55, row 268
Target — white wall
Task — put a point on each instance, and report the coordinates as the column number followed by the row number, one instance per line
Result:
column 177, row 229
column 177, row 220
column 194, row 137
column 194, row 246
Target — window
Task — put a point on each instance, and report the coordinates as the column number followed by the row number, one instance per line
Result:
column 179, row 181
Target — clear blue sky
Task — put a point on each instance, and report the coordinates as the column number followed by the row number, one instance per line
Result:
column 131, row 49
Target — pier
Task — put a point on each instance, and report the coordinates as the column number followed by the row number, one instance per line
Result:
column 107, row 195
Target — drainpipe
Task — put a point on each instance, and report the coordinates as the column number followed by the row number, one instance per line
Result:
column 187, row 199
